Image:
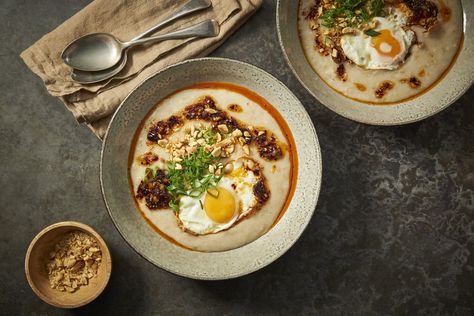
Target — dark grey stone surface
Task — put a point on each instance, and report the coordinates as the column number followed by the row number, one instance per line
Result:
column 393, row 232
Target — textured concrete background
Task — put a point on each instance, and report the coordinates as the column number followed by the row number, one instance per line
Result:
column 392, row 233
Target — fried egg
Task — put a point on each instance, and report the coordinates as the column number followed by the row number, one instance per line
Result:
column 388, row 50
column 220, row 208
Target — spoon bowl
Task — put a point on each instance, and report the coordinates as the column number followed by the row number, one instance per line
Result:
column 89, row 77
column 93, row 52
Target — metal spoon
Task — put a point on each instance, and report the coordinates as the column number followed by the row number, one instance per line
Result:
column 207, row 28
column 99, row 51
column 87, row 77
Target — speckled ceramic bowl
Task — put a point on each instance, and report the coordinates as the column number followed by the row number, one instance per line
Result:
column 446, row 92
column 164, row 254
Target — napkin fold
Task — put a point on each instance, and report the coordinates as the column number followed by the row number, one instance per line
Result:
column 94, row 104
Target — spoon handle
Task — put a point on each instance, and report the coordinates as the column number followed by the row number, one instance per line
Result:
column 207, row 28
column 189, row 7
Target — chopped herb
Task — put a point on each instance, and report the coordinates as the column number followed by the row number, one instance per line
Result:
column 372, row 33
column 354, row 12
column 328, row 19
column 377, row 7
column 149, row 174
column 209, row 136
column 213, row 192
column 193, row 178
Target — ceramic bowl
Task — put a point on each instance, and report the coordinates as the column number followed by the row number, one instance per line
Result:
column 161, row 252
column 447, row 91
column 38, row 255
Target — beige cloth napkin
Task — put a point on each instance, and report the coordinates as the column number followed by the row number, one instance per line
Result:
column 94, row 104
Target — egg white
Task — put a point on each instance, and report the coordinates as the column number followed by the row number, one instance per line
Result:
column 358, row 48
column 194, row 218
column 240, row 182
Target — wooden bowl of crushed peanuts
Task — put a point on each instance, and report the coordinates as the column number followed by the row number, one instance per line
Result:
column 68, row 264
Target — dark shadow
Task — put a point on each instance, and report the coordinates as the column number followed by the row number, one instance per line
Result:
column 271, row 289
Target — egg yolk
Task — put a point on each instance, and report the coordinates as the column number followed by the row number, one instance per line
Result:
column 238, row 173
column 221, row 207
column 386, row 44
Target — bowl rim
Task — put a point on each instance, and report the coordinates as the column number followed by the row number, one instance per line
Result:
column 80, row 226
column 313, row 203
column 367, row 121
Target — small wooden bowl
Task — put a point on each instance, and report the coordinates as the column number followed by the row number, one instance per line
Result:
column 38, row 255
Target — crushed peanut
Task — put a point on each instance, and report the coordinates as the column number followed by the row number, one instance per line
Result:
column 216, row 152
column 74, row 260
column 228, row 168
column 223, row 128
column 223, row 146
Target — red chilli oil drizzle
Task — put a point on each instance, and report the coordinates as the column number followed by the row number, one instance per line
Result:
column 291, row 148
column 444, row 11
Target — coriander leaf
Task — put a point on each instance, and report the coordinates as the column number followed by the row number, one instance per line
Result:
column 377, row 7
column 351, row 11
column 328, row 19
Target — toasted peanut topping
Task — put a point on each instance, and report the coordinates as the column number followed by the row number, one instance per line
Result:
column 216, row 152
column 212, row 168
column 73, row 262
column 237, row 133
column 162, row 142
column 246, row 149
column 228, row 168
column 223, row 128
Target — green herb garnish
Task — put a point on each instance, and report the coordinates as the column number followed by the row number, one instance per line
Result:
column 192, row 178
column 328, row 19
column 354, row 12
column 149, row 174
column 209, row 136
column 377, row 7
column 372, row 33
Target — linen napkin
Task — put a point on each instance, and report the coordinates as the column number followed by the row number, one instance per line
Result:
column 94, row 104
